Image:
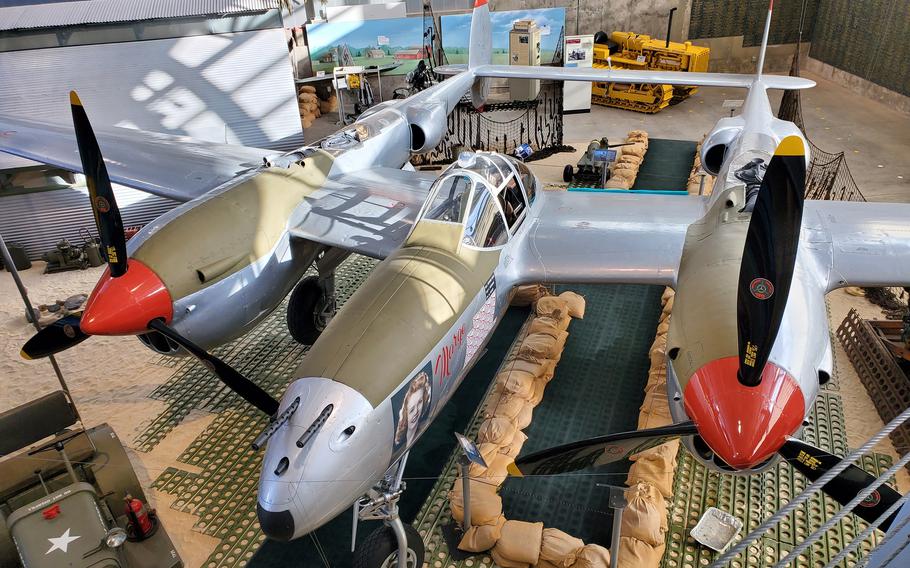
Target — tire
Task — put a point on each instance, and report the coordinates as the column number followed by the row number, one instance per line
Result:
column 567, row 173
column 380, row 549
column 306, row 299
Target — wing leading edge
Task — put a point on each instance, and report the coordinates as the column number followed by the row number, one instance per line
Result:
column 175, row 167
column 860, row 244
column 615, row 238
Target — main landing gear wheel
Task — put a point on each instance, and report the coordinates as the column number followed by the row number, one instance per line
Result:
column 380, row 549
column 309, row 310
column 567, row 173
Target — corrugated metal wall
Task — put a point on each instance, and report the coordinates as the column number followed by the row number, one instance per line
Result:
column 235, row 88
column 38, row 221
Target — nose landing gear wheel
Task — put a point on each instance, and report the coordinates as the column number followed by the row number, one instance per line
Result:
column 380, row 549
column 309, row 311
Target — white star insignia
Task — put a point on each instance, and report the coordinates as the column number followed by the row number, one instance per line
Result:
column 62, row 542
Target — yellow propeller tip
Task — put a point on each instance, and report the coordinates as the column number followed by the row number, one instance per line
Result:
column 514, row 471
column 25, row 355
column 74, row 99
column 791, row 146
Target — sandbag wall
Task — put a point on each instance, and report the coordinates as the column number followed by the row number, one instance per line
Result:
column 508, row 409
column 695, row 176
column 311, row 106
column 625, row 169
column 650, row 480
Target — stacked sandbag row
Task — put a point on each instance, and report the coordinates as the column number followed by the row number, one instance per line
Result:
column 696, row 175
column 507, row 411
column 311, row 106
column 650, row 480
column 625, row 169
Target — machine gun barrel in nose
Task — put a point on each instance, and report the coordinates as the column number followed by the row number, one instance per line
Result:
column 275, row 424
column 315, row 426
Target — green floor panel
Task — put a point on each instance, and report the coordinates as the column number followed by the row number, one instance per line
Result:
column 597, row 389
column 666, row 165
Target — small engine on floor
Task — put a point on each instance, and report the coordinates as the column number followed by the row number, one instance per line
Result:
column 65, row 257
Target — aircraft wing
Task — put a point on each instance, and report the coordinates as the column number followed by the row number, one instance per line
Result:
column 369, row 212
column 861, row 244
column 175, row 167
column 583, row 237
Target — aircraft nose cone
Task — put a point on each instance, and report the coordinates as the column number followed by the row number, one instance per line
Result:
column 744, row 426
column 277, row 525
column 125, row 305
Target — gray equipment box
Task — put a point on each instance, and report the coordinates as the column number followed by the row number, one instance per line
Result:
column 74, row 536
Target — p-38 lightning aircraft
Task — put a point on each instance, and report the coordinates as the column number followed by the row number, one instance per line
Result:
column 453, row 248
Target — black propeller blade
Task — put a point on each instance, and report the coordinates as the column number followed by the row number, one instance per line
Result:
column 597, row 451
column 60, row 335
column 814, row 462
column 246, row 388
column 104, row 206
column 769, row 257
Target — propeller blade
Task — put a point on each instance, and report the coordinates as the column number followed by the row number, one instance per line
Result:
column 250, row 391
column 769, row 257
column 814, row 462
column 60, row 335
column 596, row 451
column 104, row 205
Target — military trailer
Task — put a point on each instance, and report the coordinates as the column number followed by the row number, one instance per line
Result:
column 69, row 496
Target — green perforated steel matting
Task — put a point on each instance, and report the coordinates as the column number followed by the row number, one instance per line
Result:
column 752, row 499
column 666, row 167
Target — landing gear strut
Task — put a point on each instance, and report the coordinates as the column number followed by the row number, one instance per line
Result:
column 394, row 545
column 312, row 304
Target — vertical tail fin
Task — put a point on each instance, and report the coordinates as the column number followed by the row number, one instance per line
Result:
column 764, row 40
column 480, row 52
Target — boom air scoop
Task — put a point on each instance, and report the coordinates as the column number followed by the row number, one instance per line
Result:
column 769, row 257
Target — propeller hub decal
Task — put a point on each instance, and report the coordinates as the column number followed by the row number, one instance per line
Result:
column 102, row 205
column 871, row 500
column 761, row 288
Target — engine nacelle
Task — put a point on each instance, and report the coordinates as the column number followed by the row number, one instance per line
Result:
column 717, row 143
column 428, row 125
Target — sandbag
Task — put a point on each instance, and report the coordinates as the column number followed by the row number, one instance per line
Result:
column 559, row 548
column 593, row 556
column 520, row 541
column 498, row 469
column 668, row 305
column 564, row 322
column 507, row 405
column 528, row 294
column 541, row 368
column 634, row 553
column 482, row 538
column 537, row 395
column 519, row 383
column 634, row 150
column 552, row 306
column 543, row 346
column 645, row 515
column 306, row 89
column 663, row 327
column 496, row 430
column 513, row 449
column 659, row 346
column 486, row 504
column 629, row 159
column 621, row 182
column 503, row 562
column 625, row 166
column 656, row 466
column 523, row 420
column 575, row 303
column 488, row 452
column 545, row 325
column 668, row 293
column 546, row 564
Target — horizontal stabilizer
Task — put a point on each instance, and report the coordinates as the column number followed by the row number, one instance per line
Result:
column 596, row 74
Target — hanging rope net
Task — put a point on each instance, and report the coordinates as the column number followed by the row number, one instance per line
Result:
column 828, row 176
column 503, row 127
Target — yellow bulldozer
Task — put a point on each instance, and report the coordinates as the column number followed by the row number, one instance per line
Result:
column 628, row 50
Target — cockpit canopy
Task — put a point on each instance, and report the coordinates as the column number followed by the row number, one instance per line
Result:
column 488, row 194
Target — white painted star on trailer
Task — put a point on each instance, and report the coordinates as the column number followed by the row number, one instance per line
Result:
column 62, row 542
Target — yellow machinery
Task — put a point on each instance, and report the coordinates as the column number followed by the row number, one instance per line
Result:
column 628, row 50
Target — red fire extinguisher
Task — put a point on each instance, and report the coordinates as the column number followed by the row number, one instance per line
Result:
column 140, row 525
